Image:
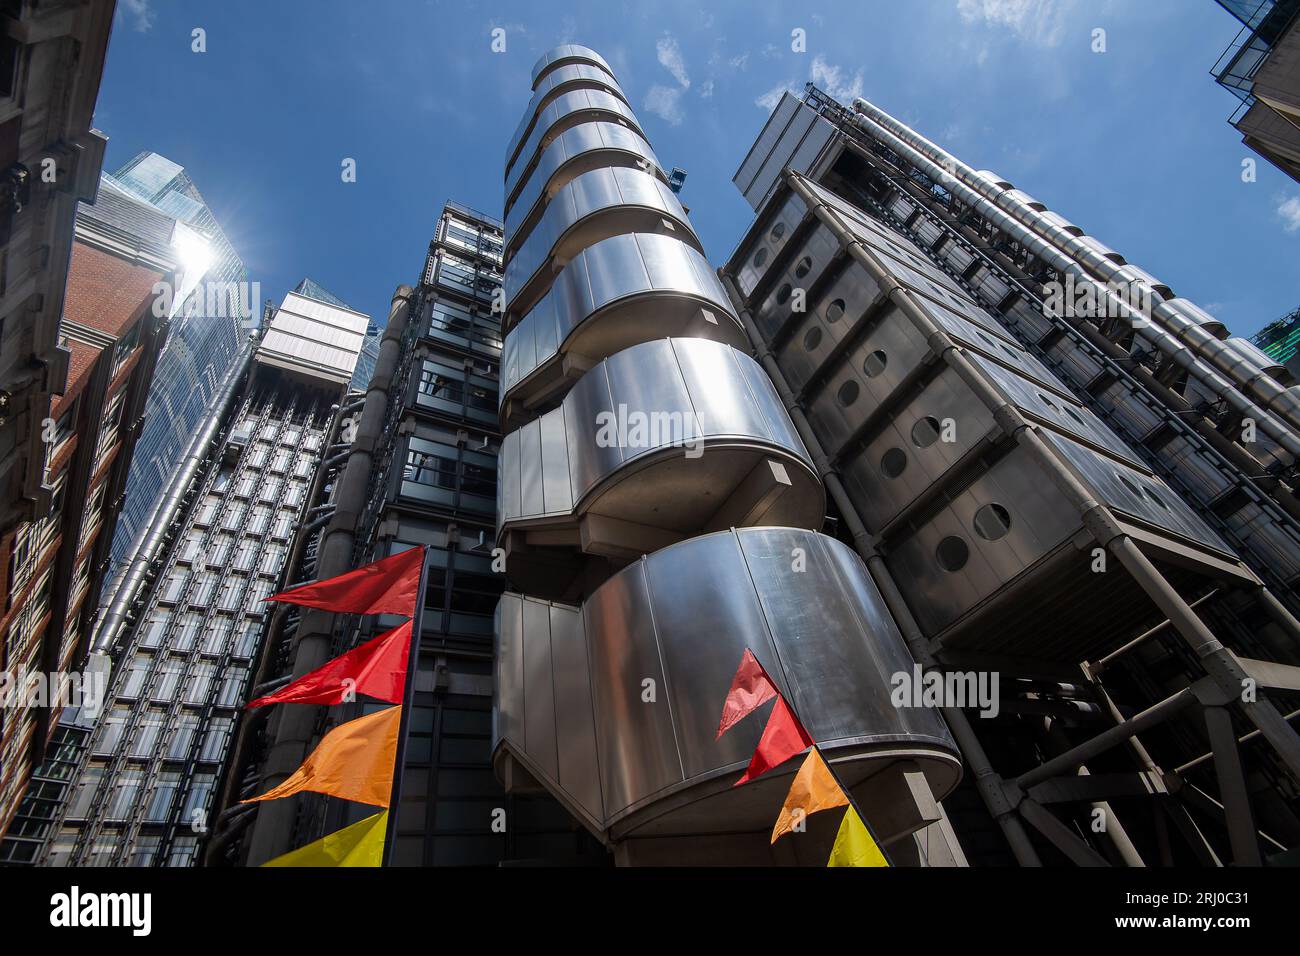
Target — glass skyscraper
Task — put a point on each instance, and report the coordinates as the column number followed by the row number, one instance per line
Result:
column 210, row 312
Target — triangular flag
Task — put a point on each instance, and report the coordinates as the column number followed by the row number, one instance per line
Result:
column 783, row 737
column 814, row 789
column 854, row 845
column 361, row 844
column 387, row 586
column 376, row 668
column 353, row 761
column 750, row 688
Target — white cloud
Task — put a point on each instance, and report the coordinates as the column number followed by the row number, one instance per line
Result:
column 670, row 57
column 1040, row 21
column 1289, row 212
column 141, row 12
column 665, row 102
column 739, row 62
column 706, row 89
column 835, row 81
column 769, row 99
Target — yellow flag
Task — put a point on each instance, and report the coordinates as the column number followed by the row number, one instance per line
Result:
column 813, row 789
column 361, row 844
column 854, row 846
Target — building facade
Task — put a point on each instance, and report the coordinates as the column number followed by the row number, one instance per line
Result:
column 184, row 626
column 51, row 60
column 1058, row 471
column 113, row 332
column 1261, row 67
column 209, row 313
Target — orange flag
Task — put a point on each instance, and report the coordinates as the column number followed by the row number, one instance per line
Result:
column 813, row 789
column 353, row 761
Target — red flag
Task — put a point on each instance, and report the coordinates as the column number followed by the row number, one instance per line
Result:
column 783, row 738
column 377, row 669
column 750, row 688
column 387, row 586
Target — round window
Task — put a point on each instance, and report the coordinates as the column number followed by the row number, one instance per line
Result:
column 1157, row 499
column 992, row 522
column 760, row 257
column 777, row 232
column 875, row 363
column 813, row 338
column 925, row 432
column 783, row 294
column 803, row 267
column 952, row 553
column 835, row 310
column 848, row 393
column 1048, row 402
column 893, row 463
column 1134, row 489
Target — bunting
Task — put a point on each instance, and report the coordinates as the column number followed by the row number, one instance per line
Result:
column 854, row 845
column 361, row 844
column 387, row 586
column 750, row 689
column 783, row 738
column 354, row 761
column 376, row 668
column 814, row 789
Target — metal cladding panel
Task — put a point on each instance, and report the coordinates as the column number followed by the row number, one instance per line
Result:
column 530, row 468
column 570, row 145
column 1136, row 493
column 699, row 670
column 553, row 58
column 684, row 388
column 805, row 265
column 1040, row 520
column 539, row 692
column 588, row 461
column 557, row 491
column 567, row 108
column 314, row 338
column 510, row 669
column 794, row 137
column 600, row 190
column 838, row 647
column 620, row 270
column 763, row 248
column 575, row 715
column 635, row 742
column 576, row 74
column 677, row 624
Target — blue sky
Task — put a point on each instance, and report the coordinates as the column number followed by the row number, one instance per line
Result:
column 1132, row 144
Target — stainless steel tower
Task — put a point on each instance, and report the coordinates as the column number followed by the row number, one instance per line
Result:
column 657, row 514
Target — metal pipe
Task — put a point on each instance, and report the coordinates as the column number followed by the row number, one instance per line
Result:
column 149, row 542
column 1097, row 667
column 1181, row 338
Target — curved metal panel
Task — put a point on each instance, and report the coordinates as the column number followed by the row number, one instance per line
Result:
column 567, row 53
column 615, row 294
column 570, row 154
column 592, row 207
column 641, row 407
column 558, row 81
column 565, row 111
column 678, row 623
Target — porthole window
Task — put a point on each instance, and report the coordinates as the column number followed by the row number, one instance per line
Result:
column 760, row 257
column 992, row 522
column 925, row 432
column 1011, row 352
column 1134, row 489
column 875, row 363
column 835, row 310
column 812, row 338
column 1075, row 415
column 1157, row 499
column 783, row 294
column 893, row 463
column 777, row 232
column 848, row 393
column 803, row 267
column 1048, row 402
column 952, row 553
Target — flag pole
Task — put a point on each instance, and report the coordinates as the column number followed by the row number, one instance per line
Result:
column 408, row 704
